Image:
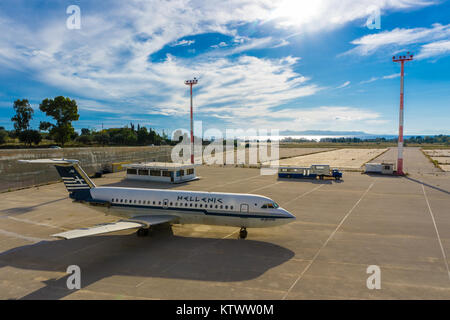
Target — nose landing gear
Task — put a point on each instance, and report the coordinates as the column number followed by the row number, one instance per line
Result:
column 243, row 233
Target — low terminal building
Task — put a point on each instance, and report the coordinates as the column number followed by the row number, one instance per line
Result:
column 380, row 168
column 161, row 172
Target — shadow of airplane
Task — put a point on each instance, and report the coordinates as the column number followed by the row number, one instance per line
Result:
column 22, row 210
column 163, row 256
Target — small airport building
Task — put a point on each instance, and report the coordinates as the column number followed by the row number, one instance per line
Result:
column 161, row 171
column 380, row 168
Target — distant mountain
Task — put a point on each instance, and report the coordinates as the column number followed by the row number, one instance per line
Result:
column 323, row 133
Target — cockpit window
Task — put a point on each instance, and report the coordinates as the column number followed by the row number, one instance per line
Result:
column 272, row 205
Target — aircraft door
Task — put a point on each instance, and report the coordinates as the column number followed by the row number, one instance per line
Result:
column 244, row 208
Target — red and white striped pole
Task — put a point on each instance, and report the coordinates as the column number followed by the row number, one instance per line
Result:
column 191, row 83
column 402, row 60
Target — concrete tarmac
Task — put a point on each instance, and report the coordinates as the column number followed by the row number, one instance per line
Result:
column 400, row 224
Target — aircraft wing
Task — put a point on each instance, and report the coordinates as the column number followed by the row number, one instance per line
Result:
column 133, row 223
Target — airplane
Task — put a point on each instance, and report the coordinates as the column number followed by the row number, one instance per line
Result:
column 141, row 208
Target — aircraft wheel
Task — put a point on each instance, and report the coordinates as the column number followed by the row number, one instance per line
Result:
column 243, row 233
column 142, row 232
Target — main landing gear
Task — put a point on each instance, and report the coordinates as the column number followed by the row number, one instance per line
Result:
column 243, row 233
column 143, row 232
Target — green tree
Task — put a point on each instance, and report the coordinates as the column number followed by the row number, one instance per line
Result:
column 30, row 136
column 3, row 136
column 85, row 132
column 102, row 138
column 64, row 111
column 142, row 135
column 24, row 113
column 84, row 139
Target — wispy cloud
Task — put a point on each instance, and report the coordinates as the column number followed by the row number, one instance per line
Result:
column 399, row 37
column 183, row 43
column 107, row 60
column 345, row 84
column 390, row 76
column 434, row 49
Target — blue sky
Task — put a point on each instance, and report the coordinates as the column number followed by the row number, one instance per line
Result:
column 287, row 65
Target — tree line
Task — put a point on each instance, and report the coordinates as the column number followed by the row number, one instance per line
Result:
column 64, row 111
column 438, row 139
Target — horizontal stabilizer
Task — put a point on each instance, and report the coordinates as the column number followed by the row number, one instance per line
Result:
column 105, row 228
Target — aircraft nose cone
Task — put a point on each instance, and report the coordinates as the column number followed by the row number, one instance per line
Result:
column 288, row 214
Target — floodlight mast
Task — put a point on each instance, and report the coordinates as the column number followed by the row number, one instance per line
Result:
column 401, row 59
column 191, row 83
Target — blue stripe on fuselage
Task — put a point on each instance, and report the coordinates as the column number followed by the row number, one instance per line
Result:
column 235, row 215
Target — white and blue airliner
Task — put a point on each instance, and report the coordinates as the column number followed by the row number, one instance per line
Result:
column 139, row 208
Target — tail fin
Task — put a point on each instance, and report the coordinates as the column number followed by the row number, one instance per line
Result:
column 75, row 179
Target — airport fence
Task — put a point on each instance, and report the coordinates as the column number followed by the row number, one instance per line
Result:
column 15, row 175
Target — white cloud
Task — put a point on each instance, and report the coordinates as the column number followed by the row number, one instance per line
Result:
column 183, row 43
column 345, row 84
column 220, row 45
column 399, row 37
column 434, row 49
column 324, row 117
column 329, row 14
column 390, row 76
column 108, row 58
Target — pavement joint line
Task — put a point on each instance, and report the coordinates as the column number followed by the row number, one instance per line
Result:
column 437, row 232
column 302, row 195
column 19, row 236
column 326, row 242
column 235, row 181
column 32, row 222
column 264, row 187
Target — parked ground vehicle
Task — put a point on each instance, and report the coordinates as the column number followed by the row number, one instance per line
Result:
column 316, row 170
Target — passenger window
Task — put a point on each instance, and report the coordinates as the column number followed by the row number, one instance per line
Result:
column 226, row 207
column 170, row 204
column 221, row 206
column 186, row 204
column 231, row 207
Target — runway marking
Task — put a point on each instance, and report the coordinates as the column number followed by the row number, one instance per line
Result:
column 19, row 236
column 326, row 242
column 302, row 195
column 437, row 232
column 264, row 187
column 235, row 181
